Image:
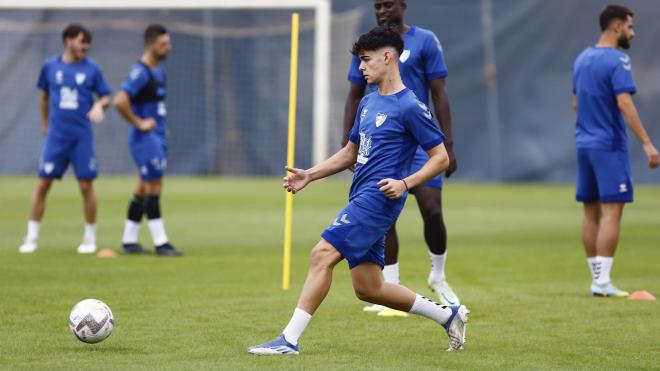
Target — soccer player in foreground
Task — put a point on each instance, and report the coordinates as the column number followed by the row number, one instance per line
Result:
column 603, row 86
column 391, row 124
column 68, row 83
column 423, row 69
column 141, row 102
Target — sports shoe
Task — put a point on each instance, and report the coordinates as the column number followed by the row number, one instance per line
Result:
column 456, row 326
column 389, row 312
column 134, row 248
column 87, row 248
column 374, row 308
column 607, row 289
column 27, row 247
column 445, row 293
column 277, row 347
column 167, row 250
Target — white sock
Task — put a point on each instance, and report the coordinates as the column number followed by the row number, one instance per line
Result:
column 437, row 267
column 131, row 232
column 157, row 229
column 593, row 268
column 605, row 268
column 391, row 273
column 32, row 231
column 296, row 326
column 90, row 234
column 430, row 309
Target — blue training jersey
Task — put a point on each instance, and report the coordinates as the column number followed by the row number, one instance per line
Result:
column 599, row 75
column 422, row 60
column 146, row 86
column 388, row 130
column 71, row 88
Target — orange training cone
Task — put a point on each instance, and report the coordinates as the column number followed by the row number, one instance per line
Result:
column 641, row 295
column 107, row 253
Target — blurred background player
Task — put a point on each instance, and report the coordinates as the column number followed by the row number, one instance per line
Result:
column 382, row 143
column 603, row 86
column 422, row 68
column 141, row 102
column 68, row 83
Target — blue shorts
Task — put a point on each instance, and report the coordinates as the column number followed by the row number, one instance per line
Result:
column 149, row 151
column 603, row 176
column 418, row 161
column 359, row 234
column 61, row 149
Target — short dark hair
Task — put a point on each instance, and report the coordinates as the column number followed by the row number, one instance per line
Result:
column 73, row 30
column 614, row 12
column 152, row 32
column 377, row 38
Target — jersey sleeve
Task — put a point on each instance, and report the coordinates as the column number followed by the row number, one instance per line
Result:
column 354, row 135
column 419, row 122
column 101, row 85
column 354, row 74
column 42, row 83
column 622, row 78
column 136, row 80
column 434, row 59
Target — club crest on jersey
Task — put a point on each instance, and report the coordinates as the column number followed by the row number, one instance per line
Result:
column 59, row 76
column 380, row 119
column 404, row 56
column 80, row 78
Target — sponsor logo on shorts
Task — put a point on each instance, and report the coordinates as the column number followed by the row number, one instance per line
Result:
column 623, row 188
column 49, row 167
column 343, row 220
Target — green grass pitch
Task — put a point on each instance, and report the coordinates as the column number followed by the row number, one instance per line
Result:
column 515, row 259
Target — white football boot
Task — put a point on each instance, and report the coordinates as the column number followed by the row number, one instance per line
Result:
column 28, row 247
column 446, row 294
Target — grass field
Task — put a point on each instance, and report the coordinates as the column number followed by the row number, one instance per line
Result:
column 514, row 258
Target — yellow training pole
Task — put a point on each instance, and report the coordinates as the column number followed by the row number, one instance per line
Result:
column 288, row 208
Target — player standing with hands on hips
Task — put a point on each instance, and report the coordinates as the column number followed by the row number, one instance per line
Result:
column 141, row 102
column 603, row 86
column 391, row 125
column 68, row 83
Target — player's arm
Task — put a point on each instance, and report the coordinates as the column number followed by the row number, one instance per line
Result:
column 443, row 113
column 438, row 162
column 122, row 103
column 97, row 113
column 574, row 104
column 341, row 160
column 43, row 111
column 630, row 115
column 355, row 93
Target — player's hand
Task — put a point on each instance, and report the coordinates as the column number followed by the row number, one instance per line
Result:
column 652, row 154
column 453, row 163
column 392, row 188
column 298, row 179
column 146, row 124
column 96, row 114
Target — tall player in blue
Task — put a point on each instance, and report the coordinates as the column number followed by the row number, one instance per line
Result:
column 141, row 102
column 391, row 125
column 68, row 83
column 603, row 86
column 422, row 69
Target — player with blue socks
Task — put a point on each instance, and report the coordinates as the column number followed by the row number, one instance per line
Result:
column 68, row 83
column 391, row 124
column 141, row 102
column 603, row 86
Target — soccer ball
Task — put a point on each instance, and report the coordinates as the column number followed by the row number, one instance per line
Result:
column 91, row 321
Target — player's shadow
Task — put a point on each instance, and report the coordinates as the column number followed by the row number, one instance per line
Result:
column 104, row 349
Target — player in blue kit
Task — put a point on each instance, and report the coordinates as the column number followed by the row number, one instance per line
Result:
column 141, row 102
column 68, row 83
column 603, row 86
column 391, row 125
column 422, row 69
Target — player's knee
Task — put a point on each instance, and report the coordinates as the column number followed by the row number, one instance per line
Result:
column 365, row 292
column 86, row 189
column 43, row 187
column 321, row 256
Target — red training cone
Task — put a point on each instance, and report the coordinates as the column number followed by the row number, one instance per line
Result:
column 641, row 295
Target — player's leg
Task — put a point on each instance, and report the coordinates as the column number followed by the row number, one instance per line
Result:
column 390, row 273
column 590, row 227
column 606, row 243
column 155, row 223
column 130, row 244
column 52, row 164
column 369, row 286
column 323, row 258
column 429, row 201
column 83, row 159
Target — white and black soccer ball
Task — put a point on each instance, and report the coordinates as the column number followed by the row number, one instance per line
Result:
column 91, row 321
